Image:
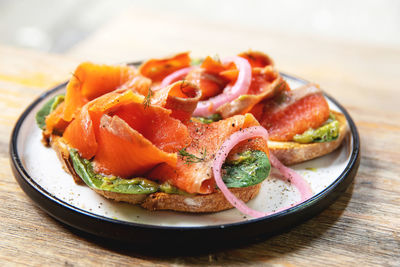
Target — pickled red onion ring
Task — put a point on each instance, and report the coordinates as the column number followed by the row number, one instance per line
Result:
column 228, row 145
column 231, row 92
column 294, row 178
column 175, row 76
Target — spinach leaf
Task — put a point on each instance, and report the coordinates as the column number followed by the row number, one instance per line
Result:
column 251, row 168
column 84, row 169
column 47, row 108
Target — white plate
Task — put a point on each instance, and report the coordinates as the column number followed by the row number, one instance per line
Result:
column 40, row 174
column 45, row 169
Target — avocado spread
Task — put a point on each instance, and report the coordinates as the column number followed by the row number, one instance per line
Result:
column 209, row 119
column 327, row 132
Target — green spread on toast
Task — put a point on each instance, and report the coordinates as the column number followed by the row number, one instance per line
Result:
column 208, row 120
column 329, row 131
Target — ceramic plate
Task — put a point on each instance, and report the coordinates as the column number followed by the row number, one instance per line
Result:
column 39, row 173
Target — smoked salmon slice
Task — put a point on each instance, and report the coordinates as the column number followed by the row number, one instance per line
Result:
column 55, row 122
column 125, row 152
column 213, row 76
column 93, row 80
column 265, row 83
column 158, row 69
column 257, row 59
column 206, row 141
column 180, row 97
column 292, row 112
column 211, row 84
column 123, row 136
column 212, row 65
column 88, row 82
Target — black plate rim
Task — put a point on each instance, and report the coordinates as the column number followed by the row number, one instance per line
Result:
column 45, row 199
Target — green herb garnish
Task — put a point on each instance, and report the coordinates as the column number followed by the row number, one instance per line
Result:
column 147, row 100
column 190, row 158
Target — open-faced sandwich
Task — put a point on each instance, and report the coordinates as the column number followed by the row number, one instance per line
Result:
column 176, row 133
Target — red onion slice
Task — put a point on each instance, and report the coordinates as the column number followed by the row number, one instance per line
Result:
column 175, row 76
column 231, row 92
column 294, row 178
column 228, row 145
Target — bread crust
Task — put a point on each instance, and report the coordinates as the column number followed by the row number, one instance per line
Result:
column 291, row 152
column 120, row 197
column 213, row 202
column 198, row 203
column 61, row 148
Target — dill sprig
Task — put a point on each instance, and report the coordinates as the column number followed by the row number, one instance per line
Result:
column 147, row 100
column 190, row 158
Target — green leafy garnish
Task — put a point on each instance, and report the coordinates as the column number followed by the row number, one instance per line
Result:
column 250, row 168
column 84, row 169
column 210, row 119
column 190, row 158
column 196, row 61
column 46, row 109
column 147, row 100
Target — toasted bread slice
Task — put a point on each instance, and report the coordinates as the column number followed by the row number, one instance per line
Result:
column 198, row 203
column 119, row 197
column 61, row 149
column 160, row 201
column 291, row 152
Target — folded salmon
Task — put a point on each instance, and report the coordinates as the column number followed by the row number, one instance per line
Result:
column 123, row 135
column 265, row 83
column 158, row 69
column 292, row 112
column 206, row 141
column 90, row 81
column 257, row 59
column 211, row 84
column 226, row 87
column 180, row 97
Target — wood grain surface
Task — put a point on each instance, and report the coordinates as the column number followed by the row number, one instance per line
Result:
column 362, row 228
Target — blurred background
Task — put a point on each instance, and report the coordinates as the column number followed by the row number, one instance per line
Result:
column 56, row 26
column 347, row 46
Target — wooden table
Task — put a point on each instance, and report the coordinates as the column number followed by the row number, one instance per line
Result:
column 361, row 228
